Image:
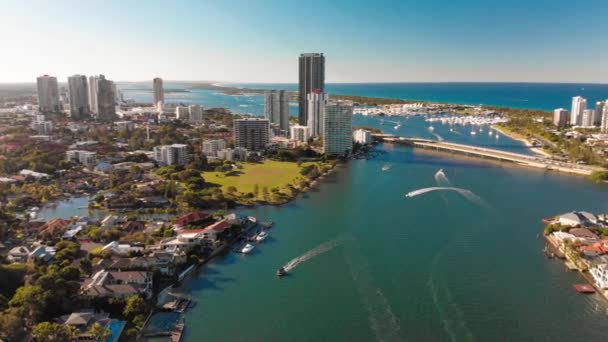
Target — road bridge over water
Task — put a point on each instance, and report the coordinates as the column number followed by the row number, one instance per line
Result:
column 489, row 153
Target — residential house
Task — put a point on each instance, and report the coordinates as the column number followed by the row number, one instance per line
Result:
column 119, row 284
column 194, row 217
column 123, row 248
column 18, row 254
column 42, row 254
column 600, row 275
column 54, row 226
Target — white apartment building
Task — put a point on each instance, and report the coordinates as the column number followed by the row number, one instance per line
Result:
column 300, row 133
column 81, row 156
column 317, row 101
column 579, row 104
column 362, row 136
column 182, row 113
column 176, row 154
column 196, row 113
column 210, row 148
column 560, row 117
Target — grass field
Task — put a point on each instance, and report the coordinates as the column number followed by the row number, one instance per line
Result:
column 268, row 174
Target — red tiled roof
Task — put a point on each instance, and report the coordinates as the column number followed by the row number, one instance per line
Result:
column 191, row 217
column 53, row 225
column 219, row 226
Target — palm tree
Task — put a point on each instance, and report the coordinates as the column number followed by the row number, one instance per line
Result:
column 100, row 332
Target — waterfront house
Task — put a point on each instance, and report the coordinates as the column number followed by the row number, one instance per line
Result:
column 577, row 219
column 54, row 227
column 583, row 234
column 18, row 254
column 163, row 262
column 600, row 275
column 563, row 236
column 123, row 248
column 119, row 284
column 195, row 217
column 82, row 321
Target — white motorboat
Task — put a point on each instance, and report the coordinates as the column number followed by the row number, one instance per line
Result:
column 261, row 236
column 247, row 249
column 473, row 132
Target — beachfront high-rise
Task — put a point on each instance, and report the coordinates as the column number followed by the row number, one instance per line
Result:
column 252, row 133
column 311, row 76
column 579, row 104
column 338, row 128
column 587, row 118
column 48, row 94
column 93, row 94
column 79, row 97
column 276, row 109
column 604, row 126
column 195, row 113
column 106, row 101
column 597, row 115
column 316, row 101
column 560, row 117
column 159, row 92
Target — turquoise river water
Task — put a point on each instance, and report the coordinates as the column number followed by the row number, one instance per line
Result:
column 437, row 267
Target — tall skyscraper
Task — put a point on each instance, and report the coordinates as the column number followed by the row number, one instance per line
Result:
column 312, row 76
column 579, row 104
column 599, row 110
column 252, row 134
column 316, row 101
column 196, row 113
column 276, row 109
column 159, row 92
column 106, row 102
column 93, row 94
column 587, row 118
column 604, row 126
column 48, row 94
column 79, row 97
column 560, row 117
column 338, row 128
column 182, row 113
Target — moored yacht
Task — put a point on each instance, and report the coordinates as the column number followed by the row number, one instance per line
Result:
column 261, row 236
column 247, row 249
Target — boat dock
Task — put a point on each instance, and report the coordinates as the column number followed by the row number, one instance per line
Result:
column 177, row 333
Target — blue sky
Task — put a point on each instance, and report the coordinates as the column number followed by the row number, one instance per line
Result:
column 259, row 41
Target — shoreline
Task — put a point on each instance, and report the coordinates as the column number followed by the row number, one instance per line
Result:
column 525, row 141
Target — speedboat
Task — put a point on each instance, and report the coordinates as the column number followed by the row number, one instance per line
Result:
column 431, row 128
column 262, row 236
column 386, row 168
column 247, row 249
column 473, row 132
column 281, row 272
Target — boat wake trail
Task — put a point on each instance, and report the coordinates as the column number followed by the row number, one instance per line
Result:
column 439, row 138
column 325, row 247
column 383, row 322
column 468, row 194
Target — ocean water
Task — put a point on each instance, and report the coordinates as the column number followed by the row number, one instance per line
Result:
column 547, row 96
